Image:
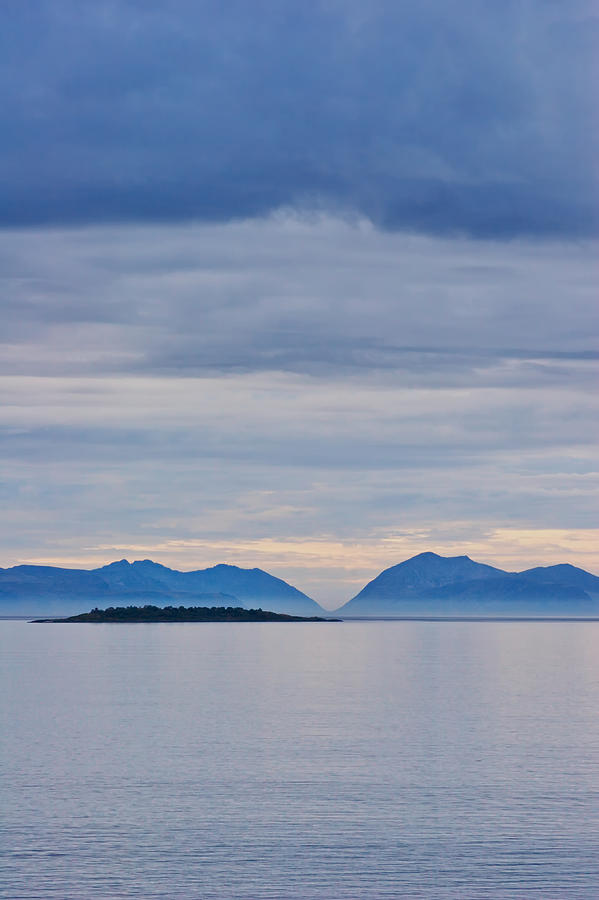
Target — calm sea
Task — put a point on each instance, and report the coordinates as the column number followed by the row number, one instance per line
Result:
column 352, row 760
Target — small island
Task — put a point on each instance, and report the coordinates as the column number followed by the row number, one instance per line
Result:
column 183, row 614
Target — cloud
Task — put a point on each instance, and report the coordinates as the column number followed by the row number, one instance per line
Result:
column 320, row 298
column 276, row 391
column 279, row 470
column 439, row 118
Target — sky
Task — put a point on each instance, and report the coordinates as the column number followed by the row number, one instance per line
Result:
column 309, row 287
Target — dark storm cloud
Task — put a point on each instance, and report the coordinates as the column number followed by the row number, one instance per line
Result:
column 440, row 117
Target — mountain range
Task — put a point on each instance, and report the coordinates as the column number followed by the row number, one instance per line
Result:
column 433, row 585
column 41, row 590
column 425, row 585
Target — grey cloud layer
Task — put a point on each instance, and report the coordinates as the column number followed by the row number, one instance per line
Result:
column 318, row 298
column 437, row 117
column 203, row 393
column 115, row 463
column 169, row 374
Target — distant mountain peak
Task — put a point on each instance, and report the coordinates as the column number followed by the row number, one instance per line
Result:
column 429, row 554
column 150, row 564
column 145, row 581
column 118, row 563
column 432, row 584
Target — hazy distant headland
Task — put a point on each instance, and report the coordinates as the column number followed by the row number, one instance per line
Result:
column 433, row 585
column 47, row 590
column 425, row 585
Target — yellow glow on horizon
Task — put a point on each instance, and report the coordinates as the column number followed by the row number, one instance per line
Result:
column 352, row 561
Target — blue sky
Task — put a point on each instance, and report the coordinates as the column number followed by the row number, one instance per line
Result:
column 310, row 287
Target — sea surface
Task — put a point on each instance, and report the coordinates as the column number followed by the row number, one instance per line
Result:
column 277, row 760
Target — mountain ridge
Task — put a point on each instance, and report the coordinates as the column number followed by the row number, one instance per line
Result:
column 37, row 590
column 430, row 584
column 427, row 584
